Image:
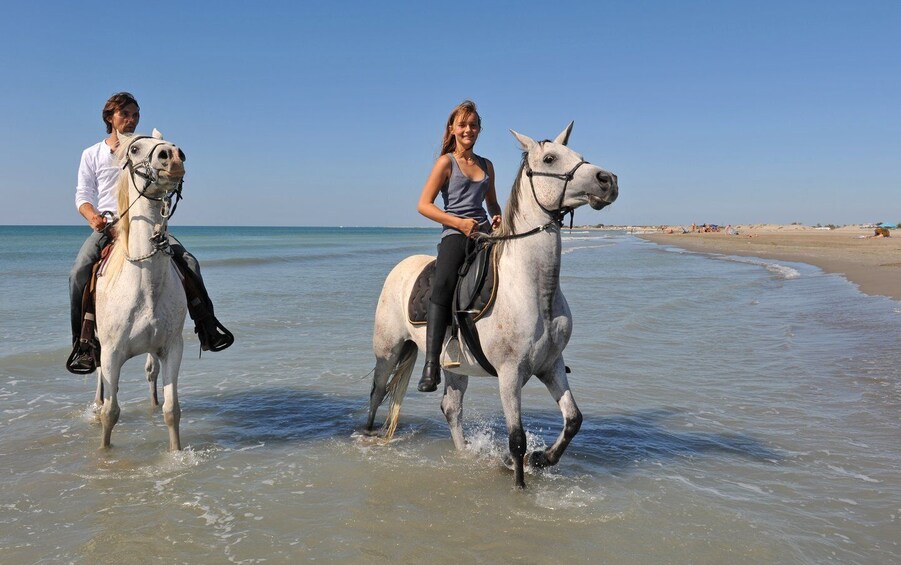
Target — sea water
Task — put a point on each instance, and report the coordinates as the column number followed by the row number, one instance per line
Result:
column 736, row 410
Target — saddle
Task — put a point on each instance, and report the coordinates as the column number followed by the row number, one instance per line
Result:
column 474, row 294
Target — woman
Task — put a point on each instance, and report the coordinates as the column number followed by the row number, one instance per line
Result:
column 465, row 180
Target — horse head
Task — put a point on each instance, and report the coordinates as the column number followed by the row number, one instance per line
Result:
column 159, row 163
column 560, row 179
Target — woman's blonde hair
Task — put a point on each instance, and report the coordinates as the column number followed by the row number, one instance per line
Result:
column 464, row 109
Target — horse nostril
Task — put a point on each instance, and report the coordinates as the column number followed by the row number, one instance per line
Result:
column 603, row 178
column 163, row 155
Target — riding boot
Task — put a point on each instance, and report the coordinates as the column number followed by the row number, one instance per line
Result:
column 85, row 354
column 212, row 334
column 436, row 327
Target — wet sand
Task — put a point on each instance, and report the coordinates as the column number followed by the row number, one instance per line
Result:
column 872, row 263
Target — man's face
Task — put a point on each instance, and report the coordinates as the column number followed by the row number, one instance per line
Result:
column 126, row 119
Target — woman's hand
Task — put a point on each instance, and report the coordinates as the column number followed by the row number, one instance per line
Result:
column 468, row 226
column 495, row 221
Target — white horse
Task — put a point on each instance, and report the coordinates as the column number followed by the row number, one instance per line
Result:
column 529, row 324
column 140, row 299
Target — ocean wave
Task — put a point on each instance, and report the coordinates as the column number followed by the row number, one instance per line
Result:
column 781, row 271
column 569, row 250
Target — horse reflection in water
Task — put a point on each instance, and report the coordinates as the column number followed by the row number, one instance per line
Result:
column 528, row 326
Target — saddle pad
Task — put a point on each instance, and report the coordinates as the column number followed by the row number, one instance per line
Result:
column 418, row 306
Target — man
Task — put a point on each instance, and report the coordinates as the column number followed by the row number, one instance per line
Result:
column 95, row 198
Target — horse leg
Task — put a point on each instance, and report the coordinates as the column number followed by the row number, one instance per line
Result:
column 98, row 394
column 152, row 370
column 452, row 406
column 511, row 400
column 170, row 363
column 109, row 385
column 383, row 370
column 558, row 385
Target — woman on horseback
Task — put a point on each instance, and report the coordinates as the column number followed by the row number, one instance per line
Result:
column 464, row 180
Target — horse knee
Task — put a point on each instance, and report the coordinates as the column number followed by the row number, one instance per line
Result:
column 573, row 424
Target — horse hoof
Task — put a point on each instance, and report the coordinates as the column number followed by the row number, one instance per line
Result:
column 538, row 460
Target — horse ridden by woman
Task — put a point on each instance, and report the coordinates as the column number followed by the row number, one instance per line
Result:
column 529, row 324
column 140, row 299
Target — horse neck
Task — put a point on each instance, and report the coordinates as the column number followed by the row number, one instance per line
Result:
column 533, row 261
column 144, row 217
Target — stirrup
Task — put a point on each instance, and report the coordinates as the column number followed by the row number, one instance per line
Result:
column 213, row 335
column 82, row 360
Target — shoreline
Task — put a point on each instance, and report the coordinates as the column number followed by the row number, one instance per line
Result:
column 873, row 264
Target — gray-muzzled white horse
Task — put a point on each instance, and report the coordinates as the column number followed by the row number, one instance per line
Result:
column 140, row 299
column 529, row 325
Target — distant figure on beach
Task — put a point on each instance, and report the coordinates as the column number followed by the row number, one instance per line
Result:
column 464, row 180
column 882, row 232
column 95, row 199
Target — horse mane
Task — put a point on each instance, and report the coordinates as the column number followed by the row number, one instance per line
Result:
column 120, row 244
column 511, row 210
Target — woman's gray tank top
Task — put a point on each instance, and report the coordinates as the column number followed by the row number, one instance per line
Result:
column 463, row 197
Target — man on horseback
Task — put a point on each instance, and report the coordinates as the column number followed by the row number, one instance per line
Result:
column 95, row 199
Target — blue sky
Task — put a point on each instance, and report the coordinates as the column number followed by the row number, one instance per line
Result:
column 330, row 113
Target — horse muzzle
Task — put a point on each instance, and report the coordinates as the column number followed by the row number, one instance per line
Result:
column 607, row 191
column 174, row 173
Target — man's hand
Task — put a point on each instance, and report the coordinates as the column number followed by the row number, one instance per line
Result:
column 97, row 222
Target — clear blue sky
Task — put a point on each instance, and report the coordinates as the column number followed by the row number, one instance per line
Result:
column 330, row 113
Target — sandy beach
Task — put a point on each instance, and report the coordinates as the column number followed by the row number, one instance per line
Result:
column 872, row 263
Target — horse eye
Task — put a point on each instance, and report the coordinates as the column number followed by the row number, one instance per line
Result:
column 134, row 149
column 548, row 159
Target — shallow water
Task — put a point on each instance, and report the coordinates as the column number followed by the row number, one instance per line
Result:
column 736, row 410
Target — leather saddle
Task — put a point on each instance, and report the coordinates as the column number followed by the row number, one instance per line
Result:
column 474, row 295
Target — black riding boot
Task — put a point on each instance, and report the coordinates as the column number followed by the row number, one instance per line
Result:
column 212, row 334
column 436, row 328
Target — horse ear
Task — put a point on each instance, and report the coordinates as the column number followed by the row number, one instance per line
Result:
column 124, row 139
column 563, row 138
column 527, row 142
column 157, row 135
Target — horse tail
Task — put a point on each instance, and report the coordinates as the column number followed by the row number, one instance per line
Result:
column 397, row 386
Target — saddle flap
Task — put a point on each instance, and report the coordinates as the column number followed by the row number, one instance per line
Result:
column 475, row 289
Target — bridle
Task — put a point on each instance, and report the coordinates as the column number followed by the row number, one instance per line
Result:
column 557, row 214
column 144, row 170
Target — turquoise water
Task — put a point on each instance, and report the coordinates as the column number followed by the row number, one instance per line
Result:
column 736, row 410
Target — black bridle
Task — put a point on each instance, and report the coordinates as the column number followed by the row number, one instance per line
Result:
column 144, row 170
column 557, row 215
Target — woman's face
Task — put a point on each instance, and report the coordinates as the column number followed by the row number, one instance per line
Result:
column 465, row 130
